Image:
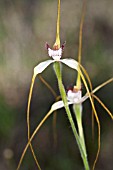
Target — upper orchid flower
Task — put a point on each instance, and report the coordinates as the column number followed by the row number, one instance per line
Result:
column 56, row 52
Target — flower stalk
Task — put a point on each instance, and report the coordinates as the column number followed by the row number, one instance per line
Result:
column 79, row 139
column 78, row 113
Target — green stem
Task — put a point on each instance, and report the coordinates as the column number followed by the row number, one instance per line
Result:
column 57, row 68
column 78, row 114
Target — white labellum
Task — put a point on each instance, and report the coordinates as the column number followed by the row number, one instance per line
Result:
column 74, row 96
column 55, row 54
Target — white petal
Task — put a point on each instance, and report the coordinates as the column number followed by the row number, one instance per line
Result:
column 42, row 66
column 70, row 63
column 59, row 105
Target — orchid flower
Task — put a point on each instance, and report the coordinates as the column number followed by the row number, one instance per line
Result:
column 73, row 97
column 55, row 54
column 56, row 57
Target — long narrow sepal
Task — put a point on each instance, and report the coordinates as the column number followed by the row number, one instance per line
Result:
column 57, row 42
column 78, row 83
column 31, row 138
column 34, row 133
column 28, row 120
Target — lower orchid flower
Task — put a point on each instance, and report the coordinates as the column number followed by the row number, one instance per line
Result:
column 74, row 96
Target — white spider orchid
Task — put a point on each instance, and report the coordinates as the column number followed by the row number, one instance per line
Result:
column 55, row 54
column 74, row 96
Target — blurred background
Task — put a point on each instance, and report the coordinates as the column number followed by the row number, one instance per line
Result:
column 25, row 26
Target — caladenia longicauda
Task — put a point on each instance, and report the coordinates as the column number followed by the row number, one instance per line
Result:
column 72, row 97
